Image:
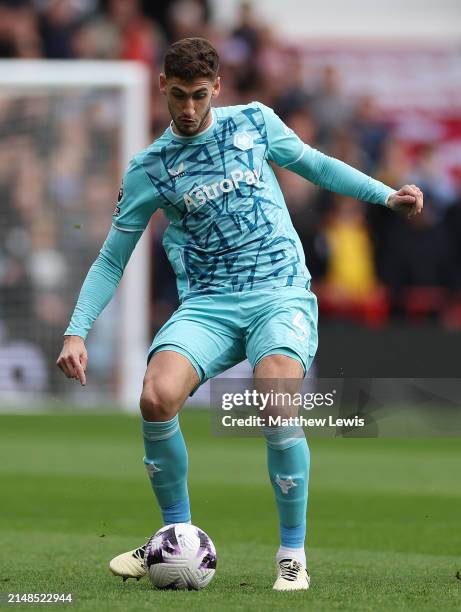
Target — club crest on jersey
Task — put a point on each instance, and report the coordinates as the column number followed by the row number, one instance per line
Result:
column 200, row 194
column 243, row 141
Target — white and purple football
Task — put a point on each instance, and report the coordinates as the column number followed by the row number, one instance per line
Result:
column 180, row 556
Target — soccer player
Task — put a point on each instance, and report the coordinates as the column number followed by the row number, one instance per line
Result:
column 241, row 276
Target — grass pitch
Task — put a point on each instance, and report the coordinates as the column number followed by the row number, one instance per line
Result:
column 383, row 525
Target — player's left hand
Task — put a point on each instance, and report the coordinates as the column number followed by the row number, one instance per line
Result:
column 408, row 200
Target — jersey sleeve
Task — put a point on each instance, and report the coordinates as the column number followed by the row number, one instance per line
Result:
column 287, row 150
column 283, row 145
column 102, row 280
column 137, row 200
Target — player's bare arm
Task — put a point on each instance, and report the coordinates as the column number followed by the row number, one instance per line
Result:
column 73, row 358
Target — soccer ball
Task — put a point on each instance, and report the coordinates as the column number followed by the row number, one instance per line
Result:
column 180, row 556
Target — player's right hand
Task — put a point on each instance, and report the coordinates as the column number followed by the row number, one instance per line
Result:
column 408, row 200
column 73, row 358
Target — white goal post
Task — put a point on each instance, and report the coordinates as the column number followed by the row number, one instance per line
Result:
column 132, row 81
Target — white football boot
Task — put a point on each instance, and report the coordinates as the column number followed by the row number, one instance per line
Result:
column 129, row 564
column 291, row 576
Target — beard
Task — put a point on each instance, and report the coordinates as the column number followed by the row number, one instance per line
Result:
column 180, row 129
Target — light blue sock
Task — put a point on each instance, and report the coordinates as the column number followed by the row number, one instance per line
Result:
column 288, row 463
column 166, row 464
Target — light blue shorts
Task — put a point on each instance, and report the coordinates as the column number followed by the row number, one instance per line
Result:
column 215, row 332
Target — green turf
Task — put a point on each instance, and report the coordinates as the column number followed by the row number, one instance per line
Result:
column 384, row 517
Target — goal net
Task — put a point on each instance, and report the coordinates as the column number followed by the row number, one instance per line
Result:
column 67, row 131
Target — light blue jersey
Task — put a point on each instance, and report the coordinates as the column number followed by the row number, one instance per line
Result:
column 230, row 230
column 229, row 225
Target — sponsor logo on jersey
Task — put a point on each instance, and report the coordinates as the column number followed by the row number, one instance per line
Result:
column 199, row 195
column 178, row 172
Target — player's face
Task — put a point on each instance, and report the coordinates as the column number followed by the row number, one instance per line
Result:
column 189, row 102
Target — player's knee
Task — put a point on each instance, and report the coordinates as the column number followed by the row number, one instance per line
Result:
column 158, row 404
column 280, row 367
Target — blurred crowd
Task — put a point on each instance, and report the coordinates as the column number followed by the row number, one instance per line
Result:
column 367, row 263
column 59, row 163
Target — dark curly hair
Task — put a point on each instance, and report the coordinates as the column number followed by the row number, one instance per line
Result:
column 191, row 58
